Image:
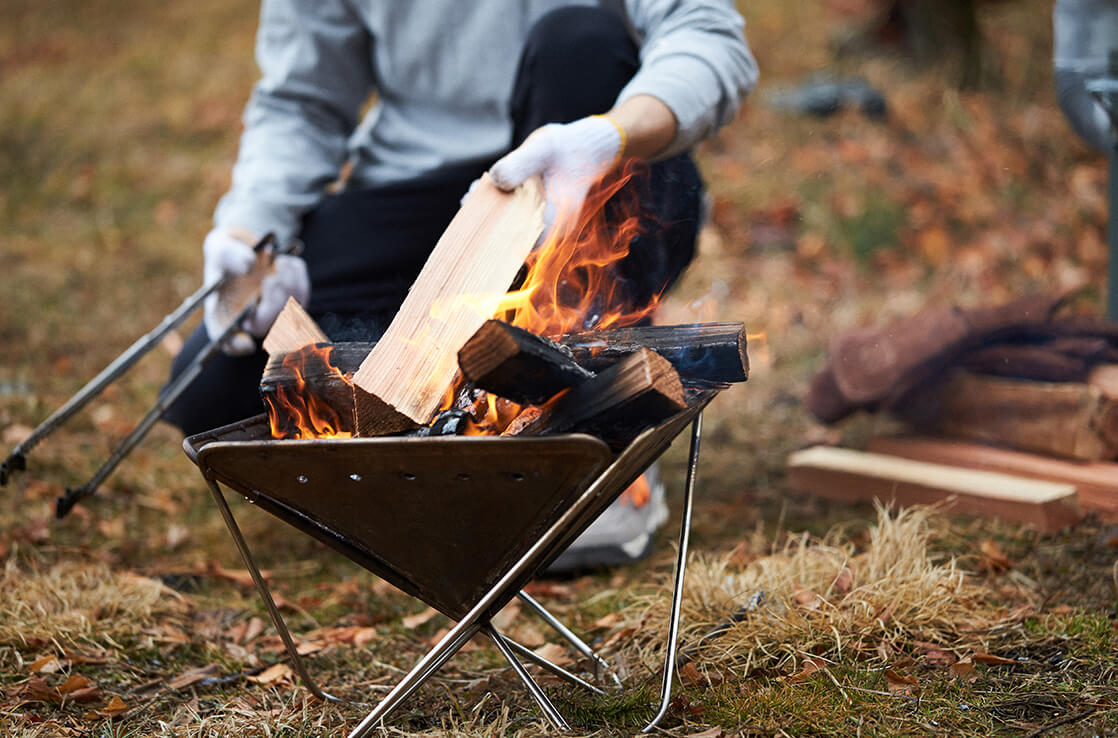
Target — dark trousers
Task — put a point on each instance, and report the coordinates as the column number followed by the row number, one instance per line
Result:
column 365, row 247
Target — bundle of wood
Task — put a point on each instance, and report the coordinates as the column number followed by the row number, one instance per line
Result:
column 1040, row 386
column 440, row 362
column 609, row 383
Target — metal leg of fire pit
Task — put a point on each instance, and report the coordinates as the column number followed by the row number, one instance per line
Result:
column 555, row 669
column 680, row 566
column 568, row 635
column 534, row 689
column 297, row 662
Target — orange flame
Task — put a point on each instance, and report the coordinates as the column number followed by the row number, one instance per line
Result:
column 569, row 284
column 296, row 412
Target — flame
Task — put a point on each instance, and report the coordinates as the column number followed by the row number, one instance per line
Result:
column 569, row 282
column 294, row 411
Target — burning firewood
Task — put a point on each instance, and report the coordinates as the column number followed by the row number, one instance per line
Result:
column 308, row 391
column 405, row 378
column 700, row 352
column 518, row 365
column 640, row 390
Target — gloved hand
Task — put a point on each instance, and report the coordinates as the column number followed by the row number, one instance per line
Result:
column 227, row 252
column 570, row 157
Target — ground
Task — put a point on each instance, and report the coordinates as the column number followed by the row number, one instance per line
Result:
column 133, row 616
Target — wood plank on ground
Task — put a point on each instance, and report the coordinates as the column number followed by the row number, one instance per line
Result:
column 1095, row 481
column 857, row 476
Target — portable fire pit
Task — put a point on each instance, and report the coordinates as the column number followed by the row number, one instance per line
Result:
column 461, row 523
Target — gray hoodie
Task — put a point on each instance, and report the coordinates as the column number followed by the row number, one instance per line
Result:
column 439, row 74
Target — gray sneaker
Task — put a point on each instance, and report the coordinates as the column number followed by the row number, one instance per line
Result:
column 623, row 533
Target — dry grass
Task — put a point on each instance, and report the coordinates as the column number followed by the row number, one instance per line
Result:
column 820, row 597
column 73, row 601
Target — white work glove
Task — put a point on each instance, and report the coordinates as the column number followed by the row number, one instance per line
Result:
column 227, row 253
column 570, row 157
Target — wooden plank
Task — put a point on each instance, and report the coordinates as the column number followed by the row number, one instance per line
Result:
column 513, row 363
column 1096, row 482
column 639, row 391
column 1071, row 419
column 849, row 475
column 707, row 352
column 405, row 378
column 292, row 330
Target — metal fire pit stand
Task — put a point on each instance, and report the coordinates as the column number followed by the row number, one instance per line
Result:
column 562, row 529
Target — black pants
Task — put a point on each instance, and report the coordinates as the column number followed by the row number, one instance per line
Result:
column 365, row 247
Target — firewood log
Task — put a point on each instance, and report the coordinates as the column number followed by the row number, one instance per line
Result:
column 513, row 363
column 700, row 352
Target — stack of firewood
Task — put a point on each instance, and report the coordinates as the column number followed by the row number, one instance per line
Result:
column 1012, row 412
column 610, row 383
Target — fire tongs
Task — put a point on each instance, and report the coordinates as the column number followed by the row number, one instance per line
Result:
column 17, row 459
column 461, row 523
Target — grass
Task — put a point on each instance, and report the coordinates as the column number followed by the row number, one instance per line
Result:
column 117, row 136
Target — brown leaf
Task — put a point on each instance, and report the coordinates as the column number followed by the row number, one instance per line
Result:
column 553, row 590
column 901, row 683
column 608, row 620
column 411, row 622
column 806, row 599
column 691, row 675
column 38, row 689
column 115, row 707
column 991, row 659
column 253, row 630
column 844, row 581
column 193, row 676
column 934, row 654
column 963, row 670
column 274, row 673
column 810, row 667
column 554, row 653
column 73, row 683
column 364, row 635
column 48, row 664
column 91, row 693
column 993, row 558
column 710, row 733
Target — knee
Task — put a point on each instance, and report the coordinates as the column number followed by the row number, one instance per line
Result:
column 578, row 35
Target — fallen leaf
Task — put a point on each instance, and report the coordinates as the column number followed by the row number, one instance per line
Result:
column 810, row 667
column 364, row 635
column 115, row 707
column 274, row 673
column 963, row 670
column 691, row 675
column 553, row 590
column 503, row 620
column 73, row 683
column 608, row 620
column 91, row 693
column 806, row 599
column 38, row 689
column 901, row 683
column 554, row 653
column 844, row 581
column 48, row 664
column 193, row 676
column 935, row 655
column 411, row 622
column 253, row 630
column 994, row 559
column 991, row 659
column 711, row 733
column 308, row 647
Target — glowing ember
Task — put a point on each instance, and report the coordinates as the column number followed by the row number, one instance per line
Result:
column 294, row 411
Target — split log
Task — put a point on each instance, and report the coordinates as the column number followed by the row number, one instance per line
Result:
column 639, row 391
column 314, row 377
column 856, row 476
column 292, row 330
column 700, row 352
column 513, row 363
column 1096, row 482
column 1071, row 419
column 404, row 379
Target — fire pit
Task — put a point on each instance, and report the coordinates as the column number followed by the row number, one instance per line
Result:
column 461, row 523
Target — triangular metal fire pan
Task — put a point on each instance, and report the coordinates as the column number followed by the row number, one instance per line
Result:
column 441, row 518
column 444, row 518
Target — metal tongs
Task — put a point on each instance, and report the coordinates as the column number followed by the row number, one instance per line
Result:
column 17, row 459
